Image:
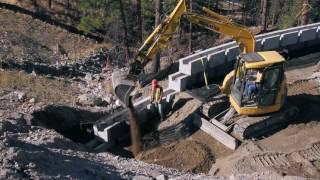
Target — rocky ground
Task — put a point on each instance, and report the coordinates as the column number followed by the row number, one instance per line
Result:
column 29, row 150
column 45, row 94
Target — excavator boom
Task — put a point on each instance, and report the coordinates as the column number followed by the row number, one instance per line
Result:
column 224, row 25
column 163, row 33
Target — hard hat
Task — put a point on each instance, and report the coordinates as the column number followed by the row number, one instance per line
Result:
column 154, row 82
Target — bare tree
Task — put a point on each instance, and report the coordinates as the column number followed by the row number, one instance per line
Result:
column 156, row 60
column 274, row 11
column 49, row 4
column 190, row 30
column 36, row 6
column 124, row 22
column 68, row 4
column 138, row 14
column 264, row 6
column 305, row 12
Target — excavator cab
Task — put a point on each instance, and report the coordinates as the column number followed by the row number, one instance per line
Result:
column 258, row 85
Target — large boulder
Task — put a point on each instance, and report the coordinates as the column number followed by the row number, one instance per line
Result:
column 90, row 100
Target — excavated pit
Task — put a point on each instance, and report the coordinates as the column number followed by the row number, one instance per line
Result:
column 73, row 123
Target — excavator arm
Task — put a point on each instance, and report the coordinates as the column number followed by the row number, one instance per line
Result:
column 223, row 25
column 163, row 33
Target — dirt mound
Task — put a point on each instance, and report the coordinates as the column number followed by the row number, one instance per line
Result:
column 190, row 156
column 183, row 106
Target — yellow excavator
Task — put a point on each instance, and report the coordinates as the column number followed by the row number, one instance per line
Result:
column 256, row 87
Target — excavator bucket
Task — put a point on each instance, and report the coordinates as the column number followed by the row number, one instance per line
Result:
column 122, row 87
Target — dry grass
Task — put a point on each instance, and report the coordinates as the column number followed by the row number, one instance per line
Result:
column 32, row 37
column 42, row 88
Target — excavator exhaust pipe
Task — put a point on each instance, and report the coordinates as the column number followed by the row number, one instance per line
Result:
column 122, row 87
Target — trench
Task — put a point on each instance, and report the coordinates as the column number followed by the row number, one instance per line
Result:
column 77, row 125
column 73, row 123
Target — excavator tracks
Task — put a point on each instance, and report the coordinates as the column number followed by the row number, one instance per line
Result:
column 251, row 127
column 246, row 127
column 271, row 160
column 312, row 153
column 215, row 105
column 286, row 161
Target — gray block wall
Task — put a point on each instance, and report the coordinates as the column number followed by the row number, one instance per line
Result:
column 220, row 59
column 217, row 61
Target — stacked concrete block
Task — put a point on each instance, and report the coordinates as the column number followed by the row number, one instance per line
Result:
column 198, row 65
column 218, row 59
column 178, row 81
column 232, row 53
column 270, row 43
column 308, row 34
column 290, row 38
column 259, row 46
column 217, row 64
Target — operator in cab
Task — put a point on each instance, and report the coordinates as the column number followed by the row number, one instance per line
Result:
column 253, row 83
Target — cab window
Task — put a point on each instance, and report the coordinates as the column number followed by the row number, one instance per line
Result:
column 270, row 86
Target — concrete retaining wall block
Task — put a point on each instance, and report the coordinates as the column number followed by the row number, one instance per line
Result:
column 307, row 34
column 232, row 53
column 270, row 43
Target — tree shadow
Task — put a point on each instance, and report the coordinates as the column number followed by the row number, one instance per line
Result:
column 309, row 107
column 179, row 104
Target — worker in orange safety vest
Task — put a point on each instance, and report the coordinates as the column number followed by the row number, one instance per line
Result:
column 156, row 97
